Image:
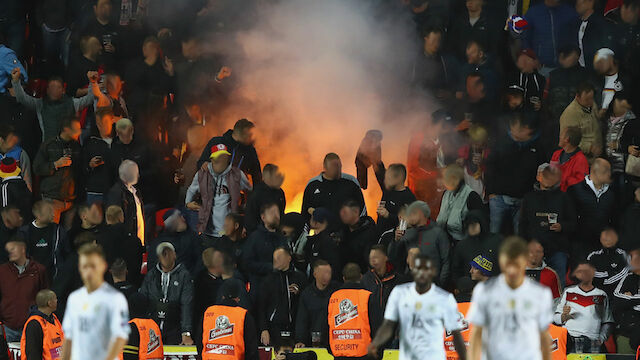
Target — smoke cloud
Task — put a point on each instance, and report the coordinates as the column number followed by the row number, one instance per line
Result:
column 315, row 75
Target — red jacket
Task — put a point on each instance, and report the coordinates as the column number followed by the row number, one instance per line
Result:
column 18, row 291
column 574, row 170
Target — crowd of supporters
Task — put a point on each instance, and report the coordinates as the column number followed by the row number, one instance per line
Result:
column 103, row 107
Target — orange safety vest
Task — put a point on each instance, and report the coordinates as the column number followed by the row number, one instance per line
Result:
column 349, row 330
column 558, row 342
column 150, row 346
column 449, row 347
column 223, row 333
column 52, row 338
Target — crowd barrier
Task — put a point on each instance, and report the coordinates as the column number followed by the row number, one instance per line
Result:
column 177, row 352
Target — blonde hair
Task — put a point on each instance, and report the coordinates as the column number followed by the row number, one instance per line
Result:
column 123, row 124
column 114, row 212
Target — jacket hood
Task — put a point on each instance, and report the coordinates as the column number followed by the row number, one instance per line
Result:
column 34, row 311
column 476, row 216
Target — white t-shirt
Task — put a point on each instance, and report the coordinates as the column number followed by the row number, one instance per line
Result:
column 611, row 86
column 583, row 28
column 511, row 319
column 423, row 320
column 93, row 321
column 590, row 309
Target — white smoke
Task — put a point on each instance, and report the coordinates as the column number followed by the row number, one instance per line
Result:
column 315, row 75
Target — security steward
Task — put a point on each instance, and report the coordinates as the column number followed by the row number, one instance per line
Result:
column 229, row 331
column 42, row 336
column 145, row 340
column 354, row 316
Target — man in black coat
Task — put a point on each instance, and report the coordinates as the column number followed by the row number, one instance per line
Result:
column 511, row 171
column 312, row 329
column 358, row 234
column 324, row 244
column 97, row 161
column 592, row 31
column 630, row 226
column 277, row 311
column 115, row 235
column 126, row 195
column 548, row 216
column 257, row 256
column 183, row 239
column 239, row 142
column 595, row 200
column 268, row 191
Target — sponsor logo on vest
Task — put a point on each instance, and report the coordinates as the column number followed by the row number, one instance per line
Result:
column 56, row 353
column 348, row 311
column 221, row 349
column 463, row 321
column 223, row 328
column 154, row 341
column 554, row 345
column 56, row 340
column 347, row 334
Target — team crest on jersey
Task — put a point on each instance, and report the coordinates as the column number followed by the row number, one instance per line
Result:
column 223, row 328
column 348, row 311
column 154, row 341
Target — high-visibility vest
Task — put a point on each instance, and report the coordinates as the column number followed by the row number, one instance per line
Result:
column 150, row 346
column 349, row 330
column 558, row 342
column 223, row 333
column 449, row 347
column 52, row 338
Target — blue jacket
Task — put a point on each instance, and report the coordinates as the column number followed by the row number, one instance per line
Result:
column 549, row 29
column 9, row 61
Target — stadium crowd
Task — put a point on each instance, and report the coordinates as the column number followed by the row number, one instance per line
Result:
column 102, row 109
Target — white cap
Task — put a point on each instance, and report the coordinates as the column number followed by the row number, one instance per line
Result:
column 603, row 54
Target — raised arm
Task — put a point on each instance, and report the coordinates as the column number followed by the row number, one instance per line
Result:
column 21, row 96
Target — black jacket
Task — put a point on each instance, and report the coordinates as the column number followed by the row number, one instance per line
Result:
column 312, row 313
column 393, row 202
column 242, row 156
column 278, row 309
column 187, row 245
column 533, row 85
column 485, row 244
column 611, row 266
column 630, row 228
column 48, row 246
column 117, row 241
column 356, row 243
column 432, row 241
column 99, row 179
column 325, row 245
column 487, row 30
column 142, row 154
column 261, row 195
column 63, row 183
column 205, row 292
column 626, row 308
column 593, row 214
column 14, row 191
column 119, row 195
column 562, row 89
column 534, row 223
column 257, row 256
column 331, row 194
column 512, row 166
column 381, row 287
column 597, row 35
column 172, row 311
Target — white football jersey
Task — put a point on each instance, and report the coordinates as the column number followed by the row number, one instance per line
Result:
column 423, row 320
column 512, row 319
column 93, row 321
column 589, row 310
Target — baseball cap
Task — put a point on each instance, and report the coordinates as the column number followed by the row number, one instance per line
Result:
column 483, row 264
column 528, row 52
column 217, row 150
column 164, row 245
column 321, row 215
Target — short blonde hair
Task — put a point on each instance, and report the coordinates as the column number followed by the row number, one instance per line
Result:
column 123, row 124
column 114, row 212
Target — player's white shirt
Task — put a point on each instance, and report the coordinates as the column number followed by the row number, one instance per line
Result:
column 423, row 320
column 93, row 321
column 590, row 309
column 511, row 319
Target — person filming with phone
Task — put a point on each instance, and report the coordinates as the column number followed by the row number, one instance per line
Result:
column 98, row 168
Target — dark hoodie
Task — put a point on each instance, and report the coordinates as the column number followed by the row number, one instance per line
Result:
column 277, row 312
column 261, row 195
column 312, row 313
column 325, row 245
column 34, row 334
column 356, row 242
column 534, row 222
column 257, row 256
column 381, row 287
column 485, row 244
column 243, row 157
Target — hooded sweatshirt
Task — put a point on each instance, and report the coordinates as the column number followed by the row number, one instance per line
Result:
column 485, row 244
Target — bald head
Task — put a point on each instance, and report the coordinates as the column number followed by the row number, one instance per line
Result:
column 281, row 259
column 46, row 301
